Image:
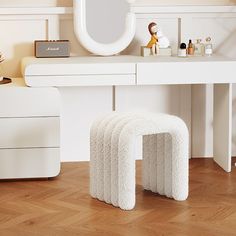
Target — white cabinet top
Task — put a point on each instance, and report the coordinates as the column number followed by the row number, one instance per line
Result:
column 127, row 70
column 18, row 100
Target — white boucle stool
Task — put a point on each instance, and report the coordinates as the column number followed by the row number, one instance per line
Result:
column 112, row 164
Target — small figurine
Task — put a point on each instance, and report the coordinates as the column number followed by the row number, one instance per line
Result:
column 159, row 45
column 153, row 43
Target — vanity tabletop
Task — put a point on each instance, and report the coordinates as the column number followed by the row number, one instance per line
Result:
column 127, row 70
column 123, row 59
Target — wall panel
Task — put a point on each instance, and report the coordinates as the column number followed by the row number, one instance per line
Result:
column 17, row 41
column 222, row 28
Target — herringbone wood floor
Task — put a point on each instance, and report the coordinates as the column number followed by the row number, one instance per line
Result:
column 63, row 207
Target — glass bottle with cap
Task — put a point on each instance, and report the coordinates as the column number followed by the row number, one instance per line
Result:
column 199, row 48
column 208, row 47
column 190, row 48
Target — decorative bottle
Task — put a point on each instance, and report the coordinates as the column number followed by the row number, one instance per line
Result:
column 199, row 48
column 190, row 48
column 208, row 47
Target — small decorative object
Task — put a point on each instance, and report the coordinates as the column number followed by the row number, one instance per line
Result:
column 163, row 41
column 208, row 47
column 153, row 43
column 145, row 51
column 152, row 48
column 158, row 44
column 182, row 50
column 190, row 48
column 199, row 48
column 3, row 80
column 52, row 48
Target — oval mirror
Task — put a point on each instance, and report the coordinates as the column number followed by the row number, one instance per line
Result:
column 104, row 27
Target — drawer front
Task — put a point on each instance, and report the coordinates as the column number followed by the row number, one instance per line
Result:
column 29, row 132
column 79, row 69
column 206, row 72
column 29, row 163
column 162, row 73
column 22, row 101
column 83, row 80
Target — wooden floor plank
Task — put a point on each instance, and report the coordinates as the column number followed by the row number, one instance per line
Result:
column 62, row 206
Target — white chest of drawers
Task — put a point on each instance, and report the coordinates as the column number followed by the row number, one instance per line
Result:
column 29, row 131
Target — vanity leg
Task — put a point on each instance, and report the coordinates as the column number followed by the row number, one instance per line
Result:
column 222, row 125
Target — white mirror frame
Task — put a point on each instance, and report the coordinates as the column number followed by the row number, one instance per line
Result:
column 97, row 48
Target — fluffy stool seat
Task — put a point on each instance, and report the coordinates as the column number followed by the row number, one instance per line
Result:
column 112, row 164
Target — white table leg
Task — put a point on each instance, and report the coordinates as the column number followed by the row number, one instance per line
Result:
column 222, row 133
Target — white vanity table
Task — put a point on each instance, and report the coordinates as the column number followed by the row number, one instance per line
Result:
column 138, row 71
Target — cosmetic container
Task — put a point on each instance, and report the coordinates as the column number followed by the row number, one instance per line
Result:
column 182, row 50
column 199, row 48
column 208, row 47
column 190, row 48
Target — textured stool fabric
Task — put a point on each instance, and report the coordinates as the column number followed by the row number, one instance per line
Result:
column 112, row 164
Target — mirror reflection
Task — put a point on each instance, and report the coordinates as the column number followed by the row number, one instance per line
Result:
column 106, row 19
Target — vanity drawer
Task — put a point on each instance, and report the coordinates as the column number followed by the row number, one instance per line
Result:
column 18, row 100
column 80, row 80
column 79, row 71
column 70, row 68
column 29, row 163
column 184, row 71
column 162, row 73
column 29, row 132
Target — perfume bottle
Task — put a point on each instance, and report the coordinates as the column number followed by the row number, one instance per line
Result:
column 208, row 47
column 190, row 48
column 182, row 50
column 199, row 48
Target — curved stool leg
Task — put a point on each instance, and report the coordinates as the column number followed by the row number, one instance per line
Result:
column 126, row 172
column 110, row 159
column 168, row 166
column 114, row 157
column 146, row 163
column 93, row 156
column 96, row 157
column 160, row 163
column 150, row 162
column 180, row 165
column 153, row 162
